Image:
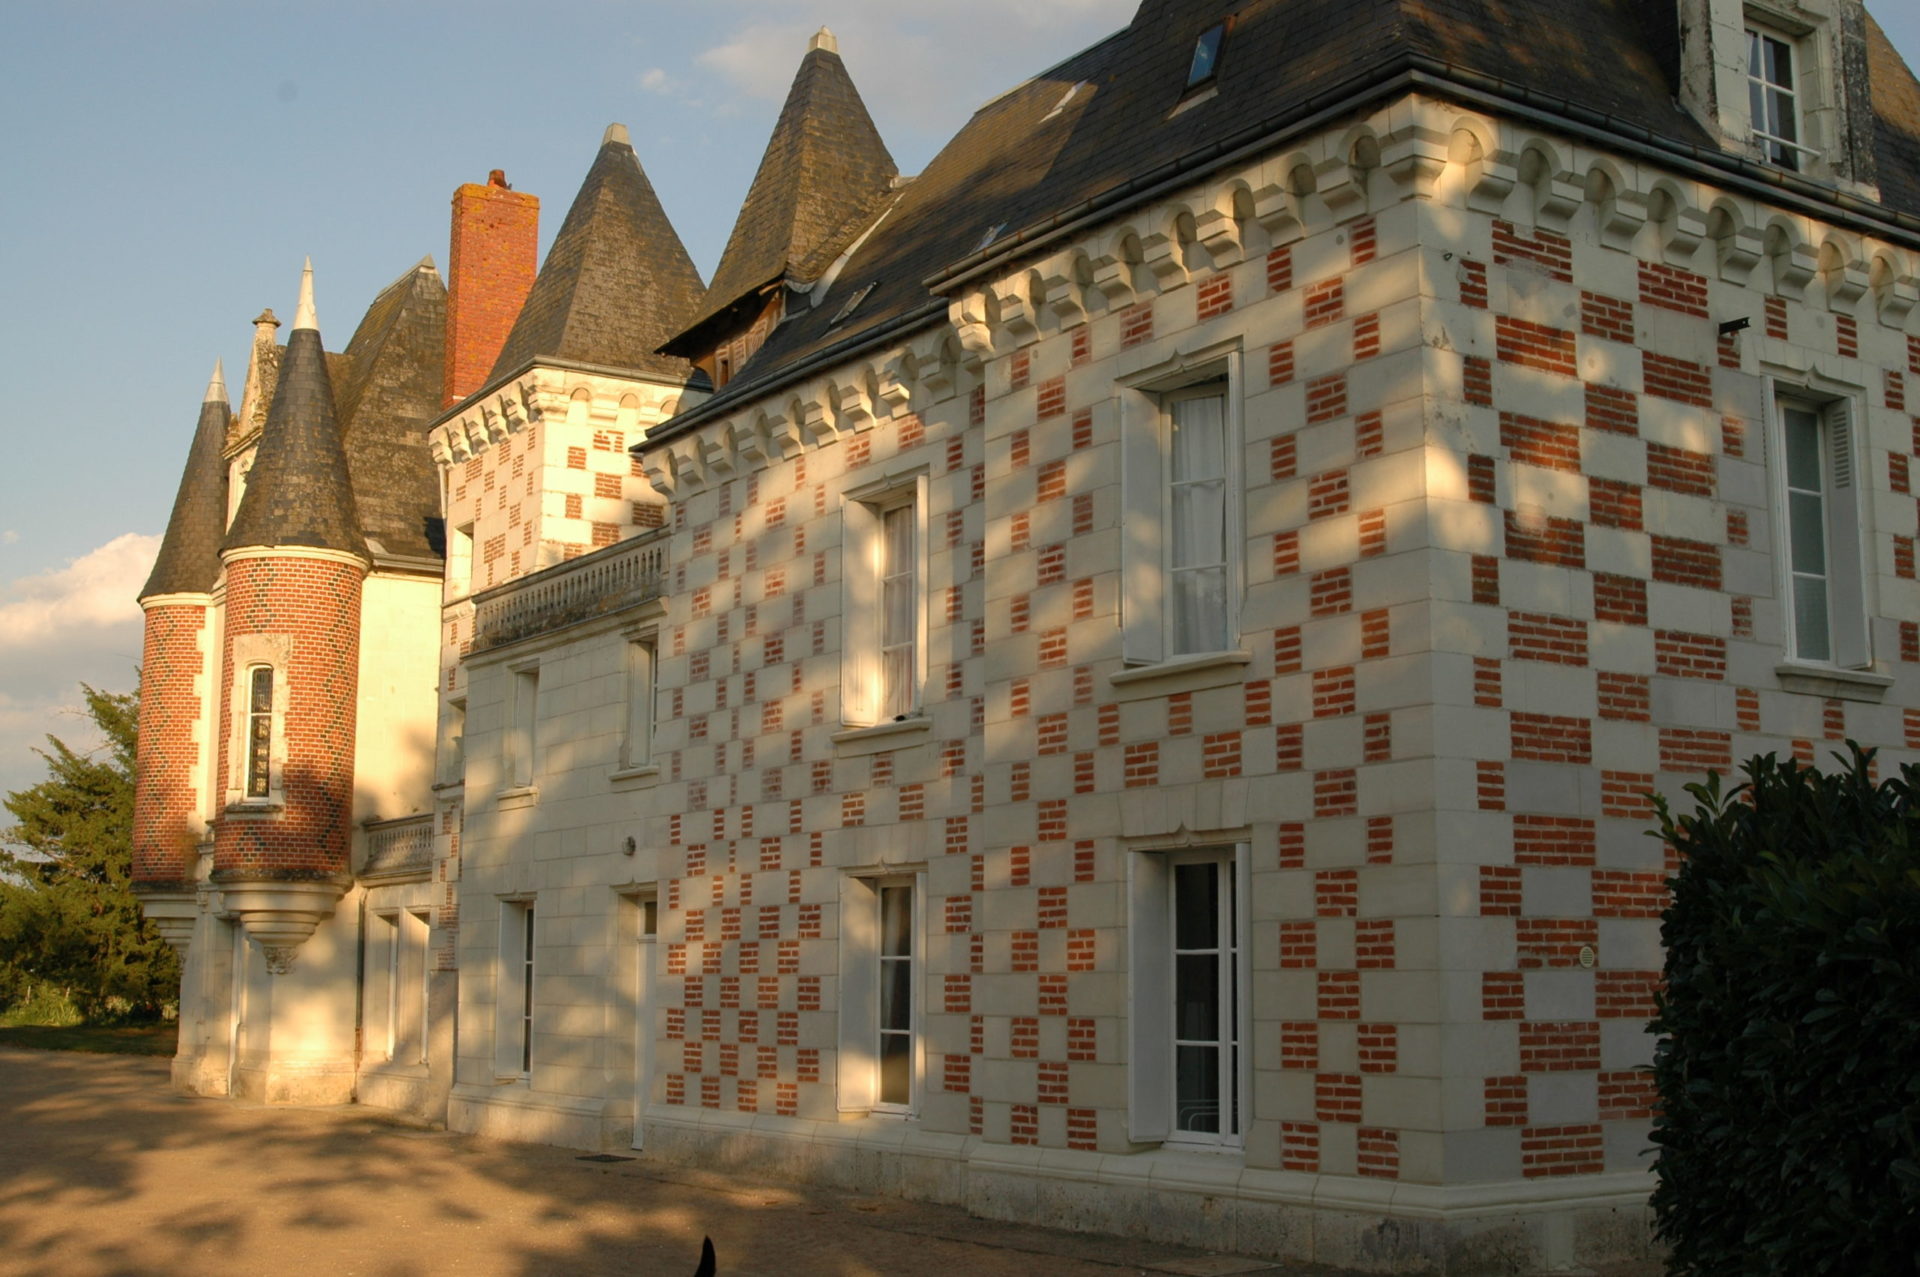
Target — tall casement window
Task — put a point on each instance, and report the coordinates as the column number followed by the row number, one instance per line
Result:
column 1182, row 536
column 513, row 1039
column 1773, row 98
column 1818, row 498
column 259, row 731
column 880, row 973
column 637, row 747
column 896, row 1015
column 1188, row 1072
column 884, row 582
column 522, row 739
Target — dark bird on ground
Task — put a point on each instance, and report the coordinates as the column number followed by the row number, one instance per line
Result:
column 706, row 1268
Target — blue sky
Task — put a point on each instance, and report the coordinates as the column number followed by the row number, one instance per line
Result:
column 171, row 164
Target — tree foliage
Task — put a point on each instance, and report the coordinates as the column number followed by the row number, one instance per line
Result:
column 1789, row 1060
column 67, row 916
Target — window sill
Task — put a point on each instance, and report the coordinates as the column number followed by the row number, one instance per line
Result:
column 1832, row 681
column 517, row 797
column 893, row 734
column 256, row 807
column 646, row 773
column 1181, row 674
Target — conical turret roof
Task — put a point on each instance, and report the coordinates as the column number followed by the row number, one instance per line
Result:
column 825, row 173
column 386, row 398
column 189, row 558
column 298, row 491
column 617, row 281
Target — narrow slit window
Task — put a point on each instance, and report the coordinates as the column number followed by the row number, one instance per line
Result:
column 259, row 731
column 1206, row 1044
column 896, row 995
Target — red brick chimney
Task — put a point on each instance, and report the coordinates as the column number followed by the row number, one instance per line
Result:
column 493, row 259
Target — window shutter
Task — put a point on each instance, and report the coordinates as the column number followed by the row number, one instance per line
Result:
column 1150, row 1001
column 1846, row 571
column 859, row 994
column 859, row 614
column 1142, row 554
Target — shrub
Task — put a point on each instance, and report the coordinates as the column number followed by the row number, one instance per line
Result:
column 1789, row 1062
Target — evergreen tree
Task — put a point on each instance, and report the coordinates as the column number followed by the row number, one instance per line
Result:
column 67, row 916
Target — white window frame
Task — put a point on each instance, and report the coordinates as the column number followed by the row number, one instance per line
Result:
column 1152, row 1067
column 867, row 696
column 862, row 957
column 1847, row 642
column 460, row 560
column 642, row 697
column 1147, row 400
column 251, row 652
column 521, row 742
column 453, row 743
column 516, row 982
column 1804, row 30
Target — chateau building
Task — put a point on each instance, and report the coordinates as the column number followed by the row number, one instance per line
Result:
column 1116, row 681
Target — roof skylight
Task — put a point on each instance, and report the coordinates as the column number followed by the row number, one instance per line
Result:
column 1206, row 55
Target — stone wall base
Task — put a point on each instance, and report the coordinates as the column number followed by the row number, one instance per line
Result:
column 295, row 1082
column 1198, row 1200
column 512, row 1112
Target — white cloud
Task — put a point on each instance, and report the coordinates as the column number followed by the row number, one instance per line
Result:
column 655, row 80
column 93, row 592
column 78, row 624
column 9, row 537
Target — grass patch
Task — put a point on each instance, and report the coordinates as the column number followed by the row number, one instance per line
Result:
column 131, row 1039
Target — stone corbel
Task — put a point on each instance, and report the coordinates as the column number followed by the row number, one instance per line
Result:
column 1845, row 285
column 1218, row 233
column 930, row 367
column 968, row 316
column 895, row 385
column 783, row 435
column 1739, row 251
column 1161, row 253
column 1620, row 219
column 746, row 442
column 490, row 421
column 530, row 400
column 510, row 414
column 817, row 425
column 659, row 474
column 853, row 407
column 475, row 434
column 437, row 448
column 1793, row 267
column 716, row 457
column 1113, row 279
column 1278, row 213
column 1064, row 297
column 1895, row 298
column 1343, row 188
column 1414, row 158
column 1017, row 319
column 1684, row 231
column 689, row 467
column 1557, row 196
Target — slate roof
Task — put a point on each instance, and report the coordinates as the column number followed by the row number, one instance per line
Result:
column 388, row 394
column 1019, row 165
column 298, row 491
column 189, row 558
column 617, row 281
column 824, row 174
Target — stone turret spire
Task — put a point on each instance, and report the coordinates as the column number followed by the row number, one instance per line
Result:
column 617, row 281
column 298, row 492
column 189, row 558
column 826, row 170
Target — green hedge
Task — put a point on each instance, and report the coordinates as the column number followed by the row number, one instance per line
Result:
column 1789, row 1060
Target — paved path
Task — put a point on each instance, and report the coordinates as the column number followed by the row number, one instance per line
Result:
column 104, row 1172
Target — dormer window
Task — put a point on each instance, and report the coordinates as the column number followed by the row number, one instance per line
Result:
column 1206, row 56
column 1774, row 99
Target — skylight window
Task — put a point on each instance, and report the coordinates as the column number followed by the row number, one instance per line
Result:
column 853, row 304
column 1206, row 56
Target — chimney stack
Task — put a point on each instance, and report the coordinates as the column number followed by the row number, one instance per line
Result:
column 493, row 258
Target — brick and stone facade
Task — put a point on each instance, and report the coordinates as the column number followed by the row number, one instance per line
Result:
column 1503, row 403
